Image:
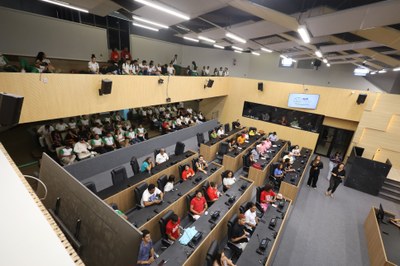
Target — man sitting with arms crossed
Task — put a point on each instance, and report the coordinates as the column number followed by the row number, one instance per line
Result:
column 172, row 227
column 162, row 157
column 198, row 205
column 152, row 195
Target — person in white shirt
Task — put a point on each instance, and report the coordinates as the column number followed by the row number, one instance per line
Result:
column 82, row 148
column 141, row 132
column 126, row 67
column 93, row 66
column 45, row 136
column 296, row 151
column 97, row 129
column 72, row 124
column 66, row 155
column 228, row 180
column 152, row 195
column 61, row 126
column 109, row 143
column 207, row 71
column 273, row 136
column 220, row 132
column 189, row 110
column 84, row 121
column 162, row 157
column 251, row 217
column 174, row 60
column 226, row 72
column 170, row 184
column 220, row 72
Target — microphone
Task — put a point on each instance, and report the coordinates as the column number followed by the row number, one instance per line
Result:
column 258, row 237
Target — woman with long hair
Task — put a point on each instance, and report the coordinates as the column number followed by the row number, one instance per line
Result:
column 316, row 166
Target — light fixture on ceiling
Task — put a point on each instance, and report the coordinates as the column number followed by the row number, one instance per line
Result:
column 305, row 36
column 163, row 9
column 237, row 48
column 318, row 53
column 283, row 56
column 373, row 72
column 266, row 50
column 396, row 69
column 182, row 28
column 219, row 46
column 144, row 26
column 255, row 53
column 190, row 39
column 382, row 71
column 234, row 37
column 237, row 51
column 150, row 22
column 328, row 65
column 67, row 5
column 361, row 71
column 325, row 60
column 294, row 60
column 206, row 39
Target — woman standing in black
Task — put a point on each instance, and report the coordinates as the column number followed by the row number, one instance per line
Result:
column 316, row 166
column 338, row 174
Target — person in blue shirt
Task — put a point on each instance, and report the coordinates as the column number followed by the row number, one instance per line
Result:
column 147, row 165
column 278, row 172
column 146, row 250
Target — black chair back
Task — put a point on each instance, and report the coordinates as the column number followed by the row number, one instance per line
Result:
column 209, row 134
column 258, row 193
column 161, row 181
column 163, row 223
column 156, row 151
column 194, row 166
column 231, row 223
column 139, row 192
column 135, row 165
column 91, row 186
column 223, row 148
column 227, row 128
column 246, row 162
column 118, row 175
column 179, row 148
column 189, row 199
column 200, row 138
column 181, row 167
column 212, row 253
column 289, row 144
column 244, row 207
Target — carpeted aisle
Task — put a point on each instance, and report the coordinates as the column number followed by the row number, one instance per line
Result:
column 326, row 231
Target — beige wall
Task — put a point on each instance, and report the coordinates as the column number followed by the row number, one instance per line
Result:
column 50, row 96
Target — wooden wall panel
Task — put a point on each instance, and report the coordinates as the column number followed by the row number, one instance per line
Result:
column 375, row 120
column 340, row 123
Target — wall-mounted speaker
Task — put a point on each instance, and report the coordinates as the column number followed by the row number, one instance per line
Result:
column 361, row 98
column 106, row 86
column 260, row 86
column 209, row 83
column 10, row 109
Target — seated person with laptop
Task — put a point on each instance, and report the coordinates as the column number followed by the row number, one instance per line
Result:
column 239, row 234
column 152, row 195
column 172, row 228
column 162, row 157
column 198, row 205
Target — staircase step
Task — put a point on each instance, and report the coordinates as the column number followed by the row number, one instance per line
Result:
column 389, row 197
column 391, row 190
column 392, row 182
column 391, row 185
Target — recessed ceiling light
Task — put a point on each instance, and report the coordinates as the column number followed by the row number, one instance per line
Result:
column 382, row 71
column 325, row 60
column 190, row 39
column 328, row 65
column 302, row 30
column 237, row 51
column 396, row 69
column 144, row 26
column 219, row 46
column 255, row 53
column 65, row 4
column 283, row 56
column 266, row 50
column 237, row 48
column 318, row 53
column 206, row 39
column 150, row 22
column 234, row 37
column 163, row 9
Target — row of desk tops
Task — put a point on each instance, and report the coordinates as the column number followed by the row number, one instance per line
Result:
column 176, row 254
column 133, row 180
column 299, row 164
column 225, row 136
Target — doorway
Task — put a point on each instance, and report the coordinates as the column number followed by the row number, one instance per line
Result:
column 332, row 140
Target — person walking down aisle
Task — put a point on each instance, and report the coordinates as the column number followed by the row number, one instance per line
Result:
column 334, row 160
column 316, row 166
column 338, row 174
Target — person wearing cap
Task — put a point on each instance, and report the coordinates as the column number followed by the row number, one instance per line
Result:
column 239, row 235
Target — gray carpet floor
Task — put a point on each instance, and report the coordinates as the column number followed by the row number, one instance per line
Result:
column 326, row 231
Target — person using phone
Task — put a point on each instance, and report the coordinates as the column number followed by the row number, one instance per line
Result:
column 338, row 174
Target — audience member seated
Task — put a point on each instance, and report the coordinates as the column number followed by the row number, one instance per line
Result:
column 152, row 195
column 232, row 144
column 228, row 179
column 201, row 164
column 288, row 166
column 172, row 228
column 125, row 54
column 296, row 151
column 213, row 134
column 130, row 137
column 222, row 260
column 61, row 126
column 45, row 138
column 221, row 72
column 71, row 138
column 72, row 125
column 278, row 172
column 82, row 149
column 93, row 66
column 198, row 205
column 162, row 157
column 147, row 165
column 67, row 156
column 221, row 132
column 255, row 154
column 267, row 196
column 170, row 184
column 273, row 137
column 56, row 140
column 43, row 64
column 109, row 143
column 146, row 250
column 119, row 212
column 84, row 121
column 97, row 129
column 119, row 137
column 212, row 192
column 240, row 236
column 127, row 68
column 141, row 132
column 187, row 172
column 290, row 157
column 114, row 56
column 241, row 139
column 97, row 144
column 251, row 218
column 236, row 124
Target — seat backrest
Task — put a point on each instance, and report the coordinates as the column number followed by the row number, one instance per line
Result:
column 139, row 192
column 231, row 223
column 179, row 148
column 118, row 175
column 91, row 186
column 246, row 160
column 163, row 222
column 189, row 198
column 200, row 138
column 272, row 168
column 194, row 166
column 258, row 193
column 209, row 134
column 156, row 151
column 227, row 128
column 212, row 253
column 161, row 181
column 223, row 148
column 181, row 167
column 289, row 144
column 135, row 165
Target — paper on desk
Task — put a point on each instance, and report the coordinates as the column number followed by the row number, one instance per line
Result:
column 188, row 234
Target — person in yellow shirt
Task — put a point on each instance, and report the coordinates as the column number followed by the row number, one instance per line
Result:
column 241, row 139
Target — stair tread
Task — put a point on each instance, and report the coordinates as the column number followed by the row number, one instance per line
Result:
column 391, row 189
column 389, row 195
column 392, row 182
column 391, row 185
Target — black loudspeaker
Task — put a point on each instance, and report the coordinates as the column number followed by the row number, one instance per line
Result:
column 209, row 84
column 260, row 86
column 179, row 148
column 10, row 109
column 106, row 86
column 361, row 98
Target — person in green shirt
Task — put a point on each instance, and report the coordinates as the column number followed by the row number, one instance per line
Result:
column 213, row 134
column 119, row 212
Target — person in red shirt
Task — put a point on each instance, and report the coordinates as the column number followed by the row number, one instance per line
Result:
column 187, row 172
column 172, row 227
column 212, row 192
column 198, row 205
column 114, row 55
column 125, row 54
column 267, row 196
